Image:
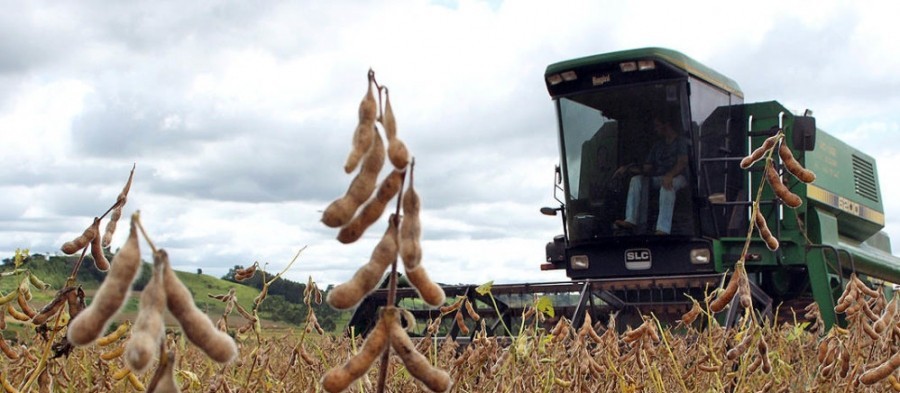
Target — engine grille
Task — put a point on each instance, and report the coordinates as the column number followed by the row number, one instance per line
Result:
column 864, row 179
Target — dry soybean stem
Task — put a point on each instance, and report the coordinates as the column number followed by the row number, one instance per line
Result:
column 160, row 367
column 754, row 211
column 115, row 205
column 72, row 277
column 377, row 86
column 675, row 364
column 291, row 263
column 266, row 283
column 391, row 298
column 144, row 232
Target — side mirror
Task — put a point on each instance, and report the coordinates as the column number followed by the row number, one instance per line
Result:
column 558, row 175
column 804, row 135
column 549, row 211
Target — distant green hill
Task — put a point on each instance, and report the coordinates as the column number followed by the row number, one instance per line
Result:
column 277, row 308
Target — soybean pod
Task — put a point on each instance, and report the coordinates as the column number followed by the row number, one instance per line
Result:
column 365, row 129
column 365, row 279
column 397, row 151
column 793, row 166
column 760, row 151
column 82, row 241
column 411, row 227
column 117, row 211
column 373, row 209
column 430, row 292
column 435, row 379
column 149, row 326
column 339, row 212
column 339, row 378
column 197, row 327
column 730, row 290
column 880, row 372
column 100, row 261
column 781, row 191
column 49, row 310
column 765, row 233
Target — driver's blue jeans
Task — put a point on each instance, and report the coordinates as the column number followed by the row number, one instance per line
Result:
column 666, row 200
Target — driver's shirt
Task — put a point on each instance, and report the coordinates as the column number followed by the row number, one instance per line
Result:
column 663, row 156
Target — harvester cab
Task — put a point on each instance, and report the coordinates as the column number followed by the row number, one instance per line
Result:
column 655, row 206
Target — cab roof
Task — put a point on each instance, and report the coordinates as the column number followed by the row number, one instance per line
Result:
column 672, row 57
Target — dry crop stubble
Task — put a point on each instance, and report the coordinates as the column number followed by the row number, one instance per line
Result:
column 525, row 367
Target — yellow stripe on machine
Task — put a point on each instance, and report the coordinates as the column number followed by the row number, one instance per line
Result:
column 844, row 204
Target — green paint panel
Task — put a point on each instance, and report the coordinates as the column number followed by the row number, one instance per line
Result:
column 846, row 185
column 866, row 259
column 872, row 262
column 823, row 227
column 845, row 171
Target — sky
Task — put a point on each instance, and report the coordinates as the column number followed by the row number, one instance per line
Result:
column 239, row 116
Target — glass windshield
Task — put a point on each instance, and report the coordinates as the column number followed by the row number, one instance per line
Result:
column 621, row 141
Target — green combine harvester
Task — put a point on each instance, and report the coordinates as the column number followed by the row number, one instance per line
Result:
column 641, row 238
column 606, row 106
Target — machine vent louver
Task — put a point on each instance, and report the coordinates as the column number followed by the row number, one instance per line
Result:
column 864, row 178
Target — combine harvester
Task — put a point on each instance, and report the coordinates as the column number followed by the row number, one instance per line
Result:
column 608, row 107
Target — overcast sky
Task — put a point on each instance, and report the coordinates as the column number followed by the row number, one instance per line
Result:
column 239, row 115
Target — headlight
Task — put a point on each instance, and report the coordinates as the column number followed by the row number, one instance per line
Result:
column 628, row 66
column 700, row 256
column 644, row 65
column 579, row 262
column 554, row 79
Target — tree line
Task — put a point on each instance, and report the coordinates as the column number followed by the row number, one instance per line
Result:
column 285, row 300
